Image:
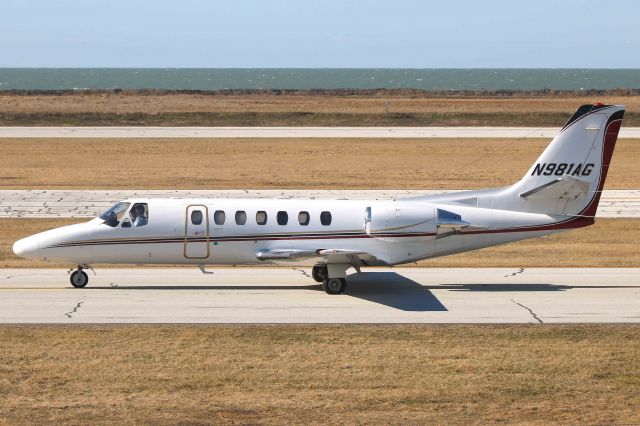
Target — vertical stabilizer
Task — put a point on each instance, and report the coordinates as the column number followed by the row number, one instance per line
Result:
column 569, row 175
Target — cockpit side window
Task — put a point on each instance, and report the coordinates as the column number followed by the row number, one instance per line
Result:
column 139, row 214
column 114, row 214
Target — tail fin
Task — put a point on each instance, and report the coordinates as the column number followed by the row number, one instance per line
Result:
column 569, row 175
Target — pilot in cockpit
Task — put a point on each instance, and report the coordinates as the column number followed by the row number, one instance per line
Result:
column 137, row 214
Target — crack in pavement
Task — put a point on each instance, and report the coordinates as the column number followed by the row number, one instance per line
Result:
column 513, row 274
column 305, row 273
column 75, row 309
column 533, row 314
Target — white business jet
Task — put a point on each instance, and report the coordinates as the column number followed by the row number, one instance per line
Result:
column 559, row 192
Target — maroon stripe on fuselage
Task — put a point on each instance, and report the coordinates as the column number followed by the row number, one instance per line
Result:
column 181, row 240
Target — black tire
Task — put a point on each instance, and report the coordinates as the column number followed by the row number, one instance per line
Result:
column 318, row 273
column 79, row 279
column 334, row 285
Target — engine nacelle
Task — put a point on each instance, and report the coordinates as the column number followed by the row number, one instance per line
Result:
column 404, row 222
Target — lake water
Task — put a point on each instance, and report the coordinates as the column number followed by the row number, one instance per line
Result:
column 296, row 78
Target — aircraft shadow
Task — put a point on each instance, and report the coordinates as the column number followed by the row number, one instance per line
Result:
column 393, row 290
column 385, row 288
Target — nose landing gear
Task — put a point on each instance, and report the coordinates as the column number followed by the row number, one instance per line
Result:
column 79, row 278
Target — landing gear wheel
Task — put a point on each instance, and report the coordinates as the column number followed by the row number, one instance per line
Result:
column 79, row 279
column 334, row 285
column 319, row 273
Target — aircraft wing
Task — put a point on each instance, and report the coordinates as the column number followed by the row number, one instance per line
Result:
column 353, row 257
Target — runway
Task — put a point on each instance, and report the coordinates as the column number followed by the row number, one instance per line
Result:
column 290, row 132
column 288, row 295
column 89, row 203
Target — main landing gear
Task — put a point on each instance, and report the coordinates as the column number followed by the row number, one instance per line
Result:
column 319, row 273
column 334, row 285
column 79, row 278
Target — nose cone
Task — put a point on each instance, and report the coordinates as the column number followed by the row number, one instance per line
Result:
column 26, row 247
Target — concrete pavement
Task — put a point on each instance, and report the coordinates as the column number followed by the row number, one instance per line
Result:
column 42, row 203
column 290, row 132
column 289, row 295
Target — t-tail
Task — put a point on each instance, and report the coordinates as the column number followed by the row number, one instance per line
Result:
column 567, row 179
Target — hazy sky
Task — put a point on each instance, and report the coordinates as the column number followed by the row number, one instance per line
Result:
column 330, row 33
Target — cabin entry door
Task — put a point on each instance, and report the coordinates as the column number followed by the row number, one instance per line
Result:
column 196, row 232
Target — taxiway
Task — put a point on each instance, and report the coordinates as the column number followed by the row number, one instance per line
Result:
column 46, row 203
column 288, row 295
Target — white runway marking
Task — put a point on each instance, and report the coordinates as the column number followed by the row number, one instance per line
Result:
column 290, row 132
column 89, row 203
column 284, row 295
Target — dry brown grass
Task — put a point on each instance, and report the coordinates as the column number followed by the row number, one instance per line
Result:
column 320, row 374
column 134, row 103
column 609, row 243
column 301, row 109
column 282, row 163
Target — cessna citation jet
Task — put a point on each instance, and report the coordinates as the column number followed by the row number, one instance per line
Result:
column 559, row 192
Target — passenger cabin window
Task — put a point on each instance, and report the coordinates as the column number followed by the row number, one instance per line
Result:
column 325, row 218
column 241, row 217
column 282, row 218
column 139, row 215
column 196, row 217
column 261, row 218
column 303, row 218
column 114, row 214
column 219, row 217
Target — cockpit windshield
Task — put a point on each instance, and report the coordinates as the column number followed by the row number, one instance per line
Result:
column 113, row 215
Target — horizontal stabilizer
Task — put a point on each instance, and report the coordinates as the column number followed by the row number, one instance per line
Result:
column 566, row 187
column 447, row 219
column 449, row 223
